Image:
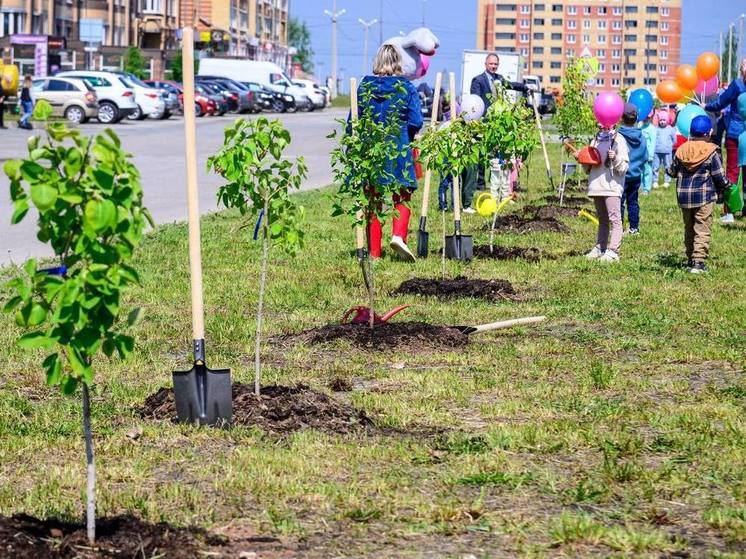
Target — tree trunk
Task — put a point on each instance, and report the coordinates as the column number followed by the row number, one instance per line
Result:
column 492, row 231
column 370, row 286
column 260, row 307
column 443, row 253
column 91, row 468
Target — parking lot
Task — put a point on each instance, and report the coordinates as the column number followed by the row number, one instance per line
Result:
column 158, row 151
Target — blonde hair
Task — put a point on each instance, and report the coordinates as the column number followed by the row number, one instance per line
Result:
column 387, row 62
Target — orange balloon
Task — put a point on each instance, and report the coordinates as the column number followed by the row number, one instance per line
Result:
column 686, row 77
column 708, row 65
column 668, row 91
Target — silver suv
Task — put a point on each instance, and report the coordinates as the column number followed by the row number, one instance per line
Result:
column 70, row 98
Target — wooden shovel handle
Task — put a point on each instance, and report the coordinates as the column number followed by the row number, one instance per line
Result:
column 359, row 232
column 456, row 185
column 541, row 137
column 190, row 142
column 433, row 124
column 508, row 324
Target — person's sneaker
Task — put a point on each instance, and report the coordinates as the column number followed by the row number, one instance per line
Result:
column 594, row 253
column 698, row 268
column 401, row 248
column 470, row 210
column 609, row 256
column 727, row 219
column 631, row 231
column 689, row 264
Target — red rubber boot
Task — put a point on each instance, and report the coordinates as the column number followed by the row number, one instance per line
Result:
column 375, row 234
column 400, row 226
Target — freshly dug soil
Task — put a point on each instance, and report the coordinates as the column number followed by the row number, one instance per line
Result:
column 570, row 201
column 409, row 335
column 547, row 212
column 519, row 224
column 25, row 537
column 278, row 410
column 530, row 254
column 492, row 290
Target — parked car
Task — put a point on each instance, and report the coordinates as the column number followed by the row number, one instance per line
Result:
column 230, row 96
column 150, row 101
column 272, row 100
column 70, row 98
column 262, row 96
column 116, row 97
column 313, row 92
column 173, row 89
column 245, row 98
column 547, row 104
column 214, row 96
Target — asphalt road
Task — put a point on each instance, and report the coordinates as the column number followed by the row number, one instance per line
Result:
column 158, row 151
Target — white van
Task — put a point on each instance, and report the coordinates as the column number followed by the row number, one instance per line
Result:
column 267, row 74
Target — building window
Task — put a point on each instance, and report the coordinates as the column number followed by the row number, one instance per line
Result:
column 651, row 10
column 556, row 50
column 572, row 10
column 616, row 24
column 525, row 24
column 571, row 39
column 523, row 38
column 665, row 12
column 649, row 81
column 602, row 67
column 556, row 22
column 538, row 21
column 601, row 39
column 556, row 7
column 616, row 53
column 556, row 36
column 664, row 26
column 651, row 38
column 630, row 23
column 664, row 40
column 586, row 39
column 538, row 36
column 504, row 21
column 151, row 6
column 615, row 82
column 601, row 53
column 616, row 39
column 524, row 51
column 525, row 9
column 587, row 10
column 664, row 55
column 586, row 24
column 506, row 36
column 539, row 7
column 570, row 53
column 651, row 52
column 630, row 38
column 600, row 81
column 602, row 10
column 617, row 10
column 616, row 68
column 630, row 9
column 572, row 24
column 651, row 24
column 505, row 7
column 555, row 65
column 554, row 79
column 538, row 50
column 602, row 24
column 538, row 64
column 650, row 66
column 630, row 52
column 629, row 81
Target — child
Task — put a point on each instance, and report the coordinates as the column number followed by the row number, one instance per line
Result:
column 700, row 181
column 638, row 154
column 605, row 186
column 665, row 137
column 27, row 104
column 649, row 133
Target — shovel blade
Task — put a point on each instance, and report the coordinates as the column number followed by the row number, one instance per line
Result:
column 459, row 247
column 423, row 238
column 203, row 396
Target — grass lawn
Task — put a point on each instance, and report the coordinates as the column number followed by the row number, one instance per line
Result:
column 616, row 428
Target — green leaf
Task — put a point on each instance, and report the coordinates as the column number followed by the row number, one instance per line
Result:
column 69, row 385
column 35, row 340
column 53, row 368
column 134, row 316
column 20, row 209
column 12, row 304
column 42, row 110
column 103, row 179
column 78, row 365
column 44, row 195
column 100, row 214
column 12, row 168
column 31, row 171
column 125, row 345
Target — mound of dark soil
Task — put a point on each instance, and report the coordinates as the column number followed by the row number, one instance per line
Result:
column 492, row 290
column 278, row 410
column 569, row 201
column 409, row 335
column 520, row 224
column 548, row 212
column 25, row 537
column 530, row 254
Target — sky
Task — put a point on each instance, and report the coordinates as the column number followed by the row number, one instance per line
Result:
column 454, row 23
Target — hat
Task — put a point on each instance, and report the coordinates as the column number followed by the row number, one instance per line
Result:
column 630, row 112
column 701, row 126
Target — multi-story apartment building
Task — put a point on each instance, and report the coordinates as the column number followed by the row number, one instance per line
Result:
column 42, row 36
column 637, row 42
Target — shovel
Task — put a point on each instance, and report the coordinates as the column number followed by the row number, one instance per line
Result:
column 203, row 396
column 499, row 325
column 458, row 246
column 543, row 146
column 423, row 237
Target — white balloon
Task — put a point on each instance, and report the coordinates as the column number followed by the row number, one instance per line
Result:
column 472, row 107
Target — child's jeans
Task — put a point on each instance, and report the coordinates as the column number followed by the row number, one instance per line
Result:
column 446, row 182
column 28, row 108
column 609, row 213
column 630, row 197
column 697, row 231
column 647, row 176
column 664, row 160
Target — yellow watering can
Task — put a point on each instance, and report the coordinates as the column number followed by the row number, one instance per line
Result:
column 588, row 215
column 487, row 205
column 9, row 78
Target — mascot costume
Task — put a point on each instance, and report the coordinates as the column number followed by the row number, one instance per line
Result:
column 415, row 50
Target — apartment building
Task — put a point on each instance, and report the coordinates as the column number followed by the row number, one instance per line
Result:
column 637, row 42
column 43, row 36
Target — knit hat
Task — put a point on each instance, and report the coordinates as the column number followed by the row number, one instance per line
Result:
column 701, row 126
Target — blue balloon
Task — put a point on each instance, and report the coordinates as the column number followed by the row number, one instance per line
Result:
column 643, row 100
column 686, row 116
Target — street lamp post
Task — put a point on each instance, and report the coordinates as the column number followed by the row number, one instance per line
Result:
column 334, row 14
column 366, row 28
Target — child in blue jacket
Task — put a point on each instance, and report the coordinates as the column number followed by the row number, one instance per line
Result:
column 638, row 154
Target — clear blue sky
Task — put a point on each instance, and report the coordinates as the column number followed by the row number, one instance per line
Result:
column 454, row 22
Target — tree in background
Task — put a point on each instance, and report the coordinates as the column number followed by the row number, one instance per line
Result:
column 134, row 63
column 176, row 63
column 574, row 117
column 300, row 37
column 730, row 54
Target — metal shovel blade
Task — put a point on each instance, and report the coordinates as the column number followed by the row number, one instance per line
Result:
column 203, row 396
column 459, row 247
column 423, row 238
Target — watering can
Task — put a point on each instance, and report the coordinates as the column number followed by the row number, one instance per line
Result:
column 733, row 197
column 588, row 215
column 9, row 78
column 486, row 204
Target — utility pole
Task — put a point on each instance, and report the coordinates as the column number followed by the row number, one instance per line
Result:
column 423, row 12
column 380, row 21
column 740, row 34
column 730, row 53
column 720, row 77
column 366, row 27
column 334, row 14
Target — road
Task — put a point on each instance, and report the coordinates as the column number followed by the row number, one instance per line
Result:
column 158, row 151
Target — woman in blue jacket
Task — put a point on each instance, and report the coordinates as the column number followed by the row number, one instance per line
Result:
column 392, row 92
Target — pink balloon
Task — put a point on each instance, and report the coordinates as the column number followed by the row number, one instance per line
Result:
column 608, row 108
column 424, row 66
column 707, row 87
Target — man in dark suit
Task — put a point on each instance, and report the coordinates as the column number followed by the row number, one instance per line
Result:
column 484, row 86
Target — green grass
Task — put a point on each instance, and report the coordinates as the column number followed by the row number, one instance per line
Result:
column 616, row 428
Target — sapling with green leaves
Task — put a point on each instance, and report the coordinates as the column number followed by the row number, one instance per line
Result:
column 260, row 184
column 362, row 170
column 89, row 201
